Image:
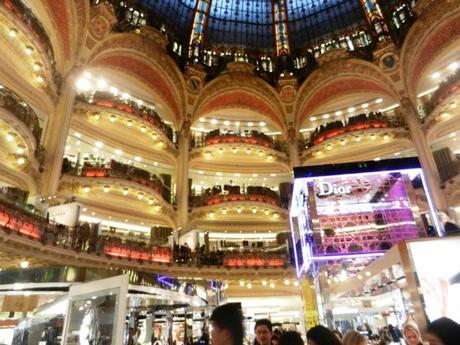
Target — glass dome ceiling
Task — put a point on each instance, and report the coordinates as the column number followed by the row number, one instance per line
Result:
column 258, row 24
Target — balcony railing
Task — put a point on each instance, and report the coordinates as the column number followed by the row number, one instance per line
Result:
column 445, row 89
column 143, row 112
column 24, row 113
column 218, row 136
column 119, row 170
column 14, row 218
column 215, row 195
column 28, row 19
column 355, row 123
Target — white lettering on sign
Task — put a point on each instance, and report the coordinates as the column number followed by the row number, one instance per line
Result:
column 326, row 188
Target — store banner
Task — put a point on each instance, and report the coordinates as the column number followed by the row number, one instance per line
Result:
column 309, row 303
column 66, row 214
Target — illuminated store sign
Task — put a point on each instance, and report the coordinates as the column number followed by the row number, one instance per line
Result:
column 356, row 210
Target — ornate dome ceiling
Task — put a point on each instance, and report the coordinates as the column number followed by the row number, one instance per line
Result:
column 257, row 24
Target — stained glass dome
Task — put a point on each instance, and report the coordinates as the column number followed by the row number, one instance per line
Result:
column 258, row 24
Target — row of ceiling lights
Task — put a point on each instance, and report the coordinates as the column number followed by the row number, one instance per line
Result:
column 125, row 192
column 350, row 110
column 235, row 123
column 28, row 50
column 248, row 150
column 264, row 282
column 357, row 138
column 20, row 149
column 240, row 210
column 452, row 67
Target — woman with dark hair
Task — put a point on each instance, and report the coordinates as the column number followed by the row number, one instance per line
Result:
column 443, row 331
column 290, row 338
column 227, row 325
column 320, row 335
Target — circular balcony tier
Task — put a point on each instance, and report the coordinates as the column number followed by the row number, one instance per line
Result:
column 444, row 119
column 237, row 215
column 155, row 260
column 250, row 157
column 122, row 198
column 37, row 63
column 140, row 138
column 359, row 145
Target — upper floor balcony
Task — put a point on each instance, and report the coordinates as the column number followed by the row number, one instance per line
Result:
column 31, row 235
column 23, row 16
column 384, row 133
column 22, row 126
column 113, row 170
column 254, row 150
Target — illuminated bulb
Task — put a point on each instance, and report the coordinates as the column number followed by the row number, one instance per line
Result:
column 338, row 113
column 97, row 116
column 137, row 158
column 234, row 149
column 312, row 118
column 326, row 116
column 351, row 109
column 82, row 84
column 101, row 84
column 29, row 50
column 373, row 136
column 357, row 138
column 106, row 189
column 37, row 66
column 125, row 191
column 286, row 282
column 452, row 105
column 248, row 150
column 143, row 129
column 154, row 136
column 140, row 195
column 21, row 160
column 453, row 66
column 12, row 32
column 254, row 210
column 39, row 79
column 208, row 154
column 224, row 211
column 241, row 283
column 296, row 283
column 270, row 157
column 99, row 144
column 20, row 150
column 444, row 115
column 250, row 124
column 329, row 146
column 113, row 90
column 262, row 124
column 239, row 209
column 249, row 286
column 368, row 274
column 276, row 215
column 226, row 122
column 261, row 153
column 319, row 153
column 118, row 152
column 435, row 75
column 112, row 118
column 267, row 212
column 86, row 189
column 386, row 137
column 364, row 106
column 237, row 123
column 214, row 121
column 24, row 264
column 272, row 285
column 221, row 150
column 158, row 208
column 264, row 282
column 378, row 100
column 10, row 137
column 202, row 119
column 360, row 277
column 125, row 96
column 130, row 123
column 342, row 142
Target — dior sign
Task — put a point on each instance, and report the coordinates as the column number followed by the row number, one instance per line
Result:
column 326, row 188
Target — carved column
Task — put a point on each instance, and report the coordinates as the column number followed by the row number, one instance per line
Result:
column 425, row 154
column 55, row 136
column 293, row 147
column 182, row 184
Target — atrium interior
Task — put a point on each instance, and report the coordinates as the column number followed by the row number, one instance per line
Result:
column 288, row 155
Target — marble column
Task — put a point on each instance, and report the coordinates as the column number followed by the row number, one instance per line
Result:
column 182, row 177
column 425, row 154
column 55, row 136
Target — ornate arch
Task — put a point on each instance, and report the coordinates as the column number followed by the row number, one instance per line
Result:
column 132, row 54
column 340, row 77
column 241, row 91
column 437, row 28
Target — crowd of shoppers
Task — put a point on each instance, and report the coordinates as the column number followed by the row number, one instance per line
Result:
column 227, row 329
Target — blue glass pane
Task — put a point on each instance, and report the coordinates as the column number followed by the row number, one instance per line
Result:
column 241, row 23
column 311, row 20
column 175, row 13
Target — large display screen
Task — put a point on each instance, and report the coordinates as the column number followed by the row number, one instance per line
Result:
column 437, row 265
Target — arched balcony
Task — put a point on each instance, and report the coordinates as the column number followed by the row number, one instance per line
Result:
column 24, row 17
column 113, row 170
column 23, row 127
column 30, row 235
column 214, row 150
column 386, row 135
